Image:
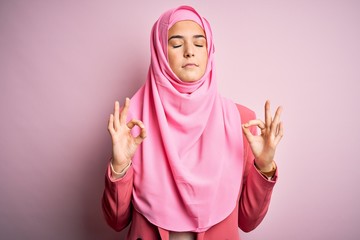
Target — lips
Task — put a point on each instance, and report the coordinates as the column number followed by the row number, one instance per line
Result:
column 190, row 65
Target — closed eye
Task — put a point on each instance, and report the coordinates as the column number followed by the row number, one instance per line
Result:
column 199, row 45
column 177, row 46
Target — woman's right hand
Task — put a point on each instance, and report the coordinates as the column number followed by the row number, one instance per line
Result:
column 124, row 143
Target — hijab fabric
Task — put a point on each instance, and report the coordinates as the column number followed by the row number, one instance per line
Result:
column 188, row 171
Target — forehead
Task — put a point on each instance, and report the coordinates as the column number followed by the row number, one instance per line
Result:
column 186, row 27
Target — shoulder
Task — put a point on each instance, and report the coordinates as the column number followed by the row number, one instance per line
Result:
column 246, row 113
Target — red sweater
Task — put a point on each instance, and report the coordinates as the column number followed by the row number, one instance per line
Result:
column 253, row 202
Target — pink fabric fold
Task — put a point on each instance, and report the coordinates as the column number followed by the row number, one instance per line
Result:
column 188, row 171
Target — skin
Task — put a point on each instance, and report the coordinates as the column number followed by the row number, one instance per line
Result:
column 187, row 44
column 264, row 145
column 124, row 143
column 187, row 51
column 187, row 56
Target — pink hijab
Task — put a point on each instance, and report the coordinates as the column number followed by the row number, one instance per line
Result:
column 188, row 170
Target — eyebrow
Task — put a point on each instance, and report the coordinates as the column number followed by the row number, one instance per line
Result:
column 182, row 37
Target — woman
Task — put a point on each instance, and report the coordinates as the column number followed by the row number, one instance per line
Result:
column 189, row 169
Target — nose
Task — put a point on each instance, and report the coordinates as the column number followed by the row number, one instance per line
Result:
column 188, row 51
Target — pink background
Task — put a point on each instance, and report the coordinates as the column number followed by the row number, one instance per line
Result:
column 64, row 63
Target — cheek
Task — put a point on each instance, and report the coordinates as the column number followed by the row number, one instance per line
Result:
column 171, row 59
column 204, row 58
column 175, row 62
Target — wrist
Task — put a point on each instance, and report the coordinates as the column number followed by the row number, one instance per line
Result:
column 268, row 170
column 264, row 166
column 120, row 169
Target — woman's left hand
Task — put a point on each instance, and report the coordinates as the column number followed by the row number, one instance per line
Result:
column 264, row 145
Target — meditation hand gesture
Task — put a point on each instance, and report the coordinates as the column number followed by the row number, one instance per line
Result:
column 124, row 143
column 264, row 145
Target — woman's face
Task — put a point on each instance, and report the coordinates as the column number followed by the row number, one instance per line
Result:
column 187, row 50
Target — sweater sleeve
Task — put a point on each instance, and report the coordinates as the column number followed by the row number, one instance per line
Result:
column 116, row 200
column 256, row 189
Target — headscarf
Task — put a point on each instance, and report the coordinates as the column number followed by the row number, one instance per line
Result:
column 188, row 171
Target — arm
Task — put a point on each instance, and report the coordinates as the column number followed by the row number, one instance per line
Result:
column 255, row 195
column 256, row 189
column 116, row 200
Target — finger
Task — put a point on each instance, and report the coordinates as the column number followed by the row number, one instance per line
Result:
column 277, row 129
column 124, row 112
column 280, row 133
column 140, row 124
column 111, row 124
column 267, row 114
column 247, row 132
column 276, row 121
column 142, row 134
column 116, row 116
column 256, row 122
column 134, row 122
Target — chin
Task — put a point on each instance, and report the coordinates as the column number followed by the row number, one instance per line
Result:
column 190, row 79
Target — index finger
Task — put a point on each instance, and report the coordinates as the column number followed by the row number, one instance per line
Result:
column 124, row 112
